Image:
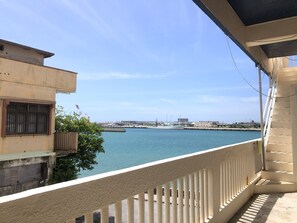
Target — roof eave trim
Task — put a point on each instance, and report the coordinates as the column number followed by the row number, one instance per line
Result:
column 222, row 27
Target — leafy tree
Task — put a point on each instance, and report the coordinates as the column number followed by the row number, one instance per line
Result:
column 89, row 144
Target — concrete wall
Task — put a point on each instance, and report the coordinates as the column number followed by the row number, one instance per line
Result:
column 22, row 54
column 17, row 74
column 22, row 144
column 23, row 78
column 26, row 143
column 287, row 82
column 23, row 174
column 24, row 82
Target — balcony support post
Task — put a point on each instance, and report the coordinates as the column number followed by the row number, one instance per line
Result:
column 261, row 117
column 293, row 100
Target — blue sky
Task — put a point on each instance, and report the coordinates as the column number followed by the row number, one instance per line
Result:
column 138, row 60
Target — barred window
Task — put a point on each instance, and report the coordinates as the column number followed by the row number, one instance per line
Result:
column 24, row 118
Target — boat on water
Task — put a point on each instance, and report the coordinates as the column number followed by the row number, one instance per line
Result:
column 166, row 126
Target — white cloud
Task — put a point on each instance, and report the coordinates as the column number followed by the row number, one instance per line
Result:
column 216, row 99
column 125, row 104
column 167, row 101
column 250, row 99
column 36, row 17
column 112, row 22
column 119, row 76
column 89, row 15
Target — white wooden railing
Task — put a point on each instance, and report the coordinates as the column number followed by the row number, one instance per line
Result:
column 268, row 110
column 205, row 186
column 66, row 142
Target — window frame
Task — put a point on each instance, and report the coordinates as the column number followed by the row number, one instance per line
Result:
column 27, row 112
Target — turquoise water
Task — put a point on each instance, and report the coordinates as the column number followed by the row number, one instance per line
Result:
column 139, row 146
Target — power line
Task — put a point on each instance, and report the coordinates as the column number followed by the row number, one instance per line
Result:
column 234, row 63
column 243, row 77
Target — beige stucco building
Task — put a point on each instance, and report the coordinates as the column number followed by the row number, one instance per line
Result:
column 27, row 115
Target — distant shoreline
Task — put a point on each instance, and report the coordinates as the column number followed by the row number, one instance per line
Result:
column 206, row 128
column 114, row 129
column 224, row 129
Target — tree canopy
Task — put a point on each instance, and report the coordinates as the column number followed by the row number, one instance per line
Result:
column 89, row 144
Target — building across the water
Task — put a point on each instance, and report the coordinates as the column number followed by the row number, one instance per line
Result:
column 183, row 120
column 28, row 142
column 206, row 124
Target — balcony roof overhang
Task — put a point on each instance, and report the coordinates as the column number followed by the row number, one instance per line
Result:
column 262, row 29
column 45, row 54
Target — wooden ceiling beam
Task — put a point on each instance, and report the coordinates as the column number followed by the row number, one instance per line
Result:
column 271, row 32
column 225, row 17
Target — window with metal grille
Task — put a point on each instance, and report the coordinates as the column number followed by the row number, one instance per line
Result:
column 24, row 118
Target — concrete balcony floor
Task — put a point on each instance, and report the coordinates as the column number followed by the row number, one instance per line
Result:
column 272, row 208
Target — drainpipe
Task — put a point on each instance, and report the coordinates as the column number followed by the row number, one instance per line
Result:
column 261, row 117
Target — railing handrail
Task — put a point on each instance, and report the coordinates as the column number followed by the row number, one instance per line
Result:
column 60, row 202
column 66, row 141
column 268, row 112
column 267, row 103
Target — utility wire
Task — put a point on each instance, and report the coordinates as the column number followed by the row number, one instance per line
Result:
column 243, row 77
column 234, row 63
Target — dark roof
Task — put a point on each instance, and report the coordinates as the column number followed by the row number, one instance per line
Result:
column 45, row 54
column 253, row 12
column 258, row 11
column 280, row 49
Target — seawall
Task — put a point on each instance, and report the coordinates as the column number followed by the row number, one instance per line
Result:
column 224, row 129
column 113, row 129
